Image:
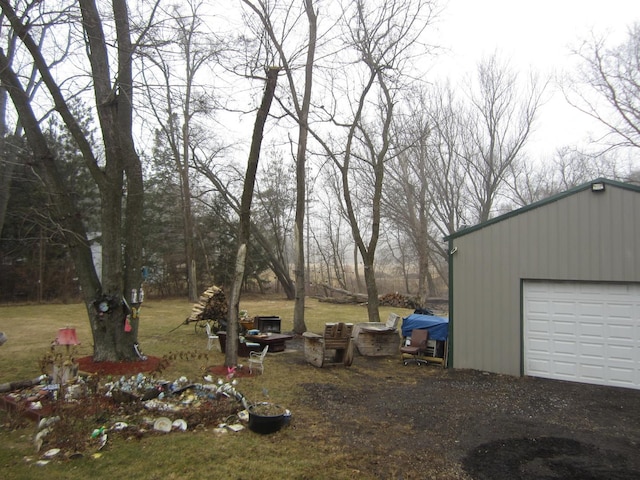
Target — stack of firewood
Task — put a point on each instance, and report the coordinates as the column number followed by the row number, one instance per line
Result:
column 396, row 299
column 399, row 300
column 212, row 305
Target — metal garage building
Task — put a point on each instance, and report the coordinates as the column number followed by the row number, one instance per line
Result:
column 552, row 289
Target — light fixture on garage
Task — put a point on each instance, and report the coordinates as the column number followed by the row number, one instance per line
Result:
column 597, row 187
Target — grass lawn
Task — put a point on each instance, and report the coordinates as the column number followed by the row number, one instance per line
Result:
column 304, row 449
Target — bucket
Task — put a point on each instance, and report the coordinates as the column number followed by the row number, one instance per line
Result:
column 267, row 417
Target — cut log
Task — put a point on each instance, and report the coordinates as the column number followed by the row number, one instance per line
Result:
column 11, row 386
column 347, row 297
column 394, row 299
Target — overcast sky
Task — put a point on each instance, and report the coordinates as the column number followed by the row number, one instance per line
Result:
column 537, row 34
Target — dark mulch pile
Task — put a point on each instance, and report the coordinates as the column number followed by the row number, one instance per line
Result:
column 222, row 371
column 118, row 368
column 151, row 364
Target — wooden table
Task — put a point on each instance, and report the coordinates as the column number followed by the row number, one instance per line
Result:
column 276, row 341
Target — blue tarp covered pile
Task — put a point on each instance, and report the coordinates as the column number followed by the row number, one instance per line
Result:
column 438, row 326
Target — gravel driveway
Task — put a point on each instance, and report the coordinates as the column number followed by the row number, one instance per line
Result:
column 418, row 422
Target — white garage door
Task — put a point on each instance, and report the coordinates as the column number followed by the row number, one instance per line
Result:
column 583, row 332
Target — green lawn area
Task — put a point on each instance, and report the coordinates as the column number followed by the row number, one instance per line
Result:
column 300, row 450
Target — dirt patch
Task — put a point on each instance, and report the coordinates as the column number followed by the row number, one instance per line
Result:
column 546, row 457
column 426, row 422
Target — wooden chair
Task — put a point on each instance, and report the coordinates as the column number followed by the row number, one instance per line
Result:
column 417, row 348
column 334, row 346
column 256, row 359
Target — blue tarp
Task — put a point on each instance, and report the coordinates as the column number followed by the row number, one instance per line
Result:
column 438, row 326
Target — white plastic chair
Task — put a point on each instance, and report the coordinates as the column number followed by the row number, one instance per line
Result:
column 257, row 359
column 211, row 337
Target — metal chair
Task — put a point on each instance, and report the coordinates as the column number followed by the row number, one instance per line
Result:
column 416, row 348
column 211, row 337
column 257, row 359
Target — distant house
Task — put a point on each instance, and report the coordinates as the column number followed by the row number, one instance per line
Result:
column 552, row 289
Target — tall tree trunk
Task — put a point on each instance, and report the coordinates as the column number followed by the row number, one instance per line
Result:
column 299, row 325
column 356, row 269
column 423, row 264
column 373, row 302
column 7, row 166
column 121, row 271
column 301, row 115
column 244, row 229
column 121, row 241
column 192, row 278
column 187, row 225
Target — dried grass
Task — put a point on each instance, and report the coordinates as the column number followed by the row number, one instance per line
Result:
column 198, row 453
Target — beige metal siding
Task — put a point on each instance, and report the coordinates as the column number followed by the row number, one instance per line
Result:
column 585, row 236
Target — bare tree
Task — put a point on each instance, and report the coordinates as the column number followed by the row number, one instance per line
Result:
column 458, row 155
column 425, row 187
column 273, row 220
column 567, row 169
column 275, row 251
column 175, row 100
column 401, row 252
column 9, row 159
column 278, row 39
column 380, row 39
column 607, row 87
column 244, row 228
column 330, row 240
column 499, row 123
column 118, row 176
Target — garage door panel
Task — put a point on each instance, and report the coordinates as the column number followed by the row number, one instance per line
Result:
column 616, row 310
column 589, row 309
column 592, row 350
column 565, row 370
column 565, row 327
column 621, row 353
column 621, row 332
column 538, row 306
column 590, row 329
column 591, row 372
column 540, row 347
column 539, row 326
column 560, row 308
column 621, row 376
column 586, row 332
column 540, row 367
column 561, row 347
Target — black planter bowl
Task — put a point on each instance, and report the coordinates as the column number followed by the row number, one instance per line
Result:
column 267, row 417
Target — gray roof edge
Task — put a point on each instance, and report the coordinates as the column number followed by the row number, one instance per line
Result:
column 543, row 202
